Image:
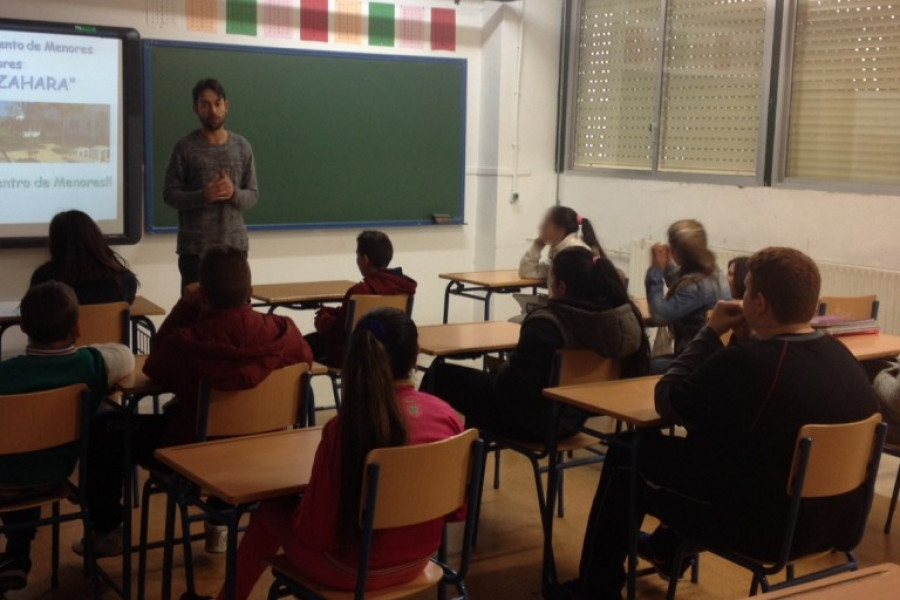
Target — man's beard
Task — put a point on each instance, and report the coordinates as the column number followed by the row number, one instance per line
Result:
column 213, row 125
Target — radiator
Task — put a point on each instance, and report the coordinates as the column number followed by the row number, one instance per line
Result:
column 837, row 280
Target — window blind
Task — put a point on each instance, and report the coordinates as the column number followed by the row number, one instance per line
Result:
column 845, row 92
column 617, row 80
column 714, row 74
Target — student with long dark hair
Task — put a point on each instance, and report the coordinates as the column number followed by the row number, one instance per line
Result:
column 561, row 228
column 588, row 308
column 737, row 276
column 81, row 258
column 381, row 408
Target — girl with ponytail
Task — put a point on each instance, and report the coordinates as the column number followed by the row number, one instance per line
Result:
column 588, row 309
column 381, row 408
column 561, row 228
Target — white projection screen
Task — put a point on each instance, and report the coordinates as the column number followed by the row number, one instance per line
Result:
column 71, row 133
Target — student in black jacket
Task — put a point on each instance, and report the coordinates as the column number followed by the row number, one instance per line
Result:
column 743, row 405
column 589, row 309
column 81, row 258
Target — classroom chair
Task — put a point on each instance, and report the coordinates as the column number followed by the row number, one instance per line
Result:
column 360, row 305
column 406, row 486
column 829, row 460
column 892, row 450
column 64, row 415
column 851, row 307
column 571, row 367
column 278, row 402
column 104, row 323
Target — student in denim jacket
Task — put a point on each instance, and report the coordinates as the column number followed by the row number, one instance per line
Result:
column 683, row 284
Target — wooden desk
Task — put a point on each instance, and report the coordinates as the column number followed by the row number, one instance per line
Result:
column 137, row 384
column 869, row 347
column 301, row 295
column 142, row 307
column 628, row 400
column 240, row 471
column 874, row 583
column 457, row 339
column 482, row 285
column 248, row 469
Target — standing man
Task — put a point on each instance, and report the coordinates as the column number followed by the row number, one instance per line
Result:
column 210, row 181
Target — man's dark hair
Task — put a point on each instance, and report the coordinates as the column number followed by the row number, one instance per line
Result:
column 213, row 85
column 49, row 312
column 790, row 282
column 225, row 277
column 377, row 246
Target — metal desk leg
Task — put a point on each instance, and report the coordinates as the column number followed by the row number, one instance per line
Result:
column 487, row 304
column 234, row 522
column 447, row 301
column 168, row 547
column 634, row 526
column 548, row 572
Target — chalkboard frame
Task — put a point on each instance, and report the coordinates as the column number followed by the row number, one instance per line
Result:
column 149, row 172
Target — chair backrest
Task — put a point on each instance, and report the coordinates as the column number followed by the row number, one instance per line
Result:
column 278, row 402
column 851, row 307
column 42, row 420
column 361, row 305
column 418, row 484
column 839, row 458
column 575, row 367
column 104, row 323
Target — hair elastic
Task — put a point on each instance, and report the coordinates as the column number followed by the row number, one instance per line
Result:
column 375, row 327
column 579, row 219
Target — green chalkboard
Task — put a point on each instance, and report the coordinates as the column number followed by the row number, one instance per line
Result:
column 339, row 139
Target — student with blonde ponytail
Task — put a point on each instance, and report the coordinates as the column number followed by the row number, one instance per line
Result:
column 381, row 408
column 561, row 228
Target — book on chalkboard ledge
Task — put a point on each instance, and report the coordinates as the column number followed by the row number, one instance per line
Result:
column 838, row 326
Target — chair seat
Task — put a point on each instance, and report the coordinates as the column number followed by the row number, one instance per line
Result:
column 431, row 576
column 577, row 442
column 20, row 499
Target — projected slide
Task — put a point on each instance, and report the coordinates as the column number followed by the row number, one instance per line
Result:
column 60, row 129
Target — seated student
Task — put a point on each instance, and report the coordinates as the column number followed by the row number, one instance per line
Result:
column 743, row 407
column 50, row 320
column 737, row 275
column 688, row 269
column 381, row 408
column 374, row 253
column 887, row 386
column 588, row 309
column 211, row 335
column 561, row 228
column 81, row 258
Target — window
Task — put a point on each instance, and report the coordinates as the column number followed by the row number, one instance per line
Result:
column 674, row 88
column 844, row 98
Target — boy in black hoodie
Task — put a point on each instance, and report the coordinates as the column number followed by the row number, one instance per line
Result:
column 589, row 309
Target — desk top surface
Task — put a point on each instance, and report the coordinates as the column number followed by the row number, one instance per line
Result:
column 628, row 400
column 306, row 291
column 881, row 582
column 493, row 279
column 468, row 338
column 248, row 469
column 142, row 307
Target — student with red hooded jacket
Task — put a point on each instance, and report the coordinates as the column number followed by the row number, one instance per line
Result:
column 374, row 253
column 212, row 335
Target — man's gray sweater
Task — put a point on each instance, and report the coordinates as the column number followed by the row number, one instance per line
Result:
column 194, row 163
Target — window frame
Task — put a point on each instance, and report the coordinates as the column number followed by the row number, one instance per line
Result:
column 573, row 9
column 781, row 134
